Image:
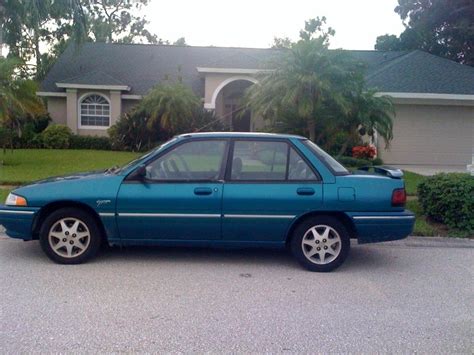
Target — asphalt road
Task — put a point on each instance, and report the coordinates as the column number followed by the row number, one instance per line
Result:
column 411, row 296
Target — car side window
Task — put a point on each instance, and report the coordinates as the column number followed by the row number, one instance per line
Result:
column 195, row 160
column 259, row 160
column 298, row 169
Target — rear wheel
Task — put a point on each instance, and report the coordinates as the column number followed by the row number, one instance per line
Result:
column 70, row 236
column 320, row 243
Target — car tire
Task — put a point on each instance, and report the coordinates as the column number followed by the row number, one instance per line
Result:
column 320, row 243
column 70, row 236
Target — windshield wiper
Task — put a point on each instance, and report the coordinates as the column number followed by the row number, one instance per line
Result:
column 112, row 169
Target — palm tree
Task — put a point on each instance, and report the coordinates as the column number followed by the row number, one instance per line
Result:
column 169, row 106
column 17, row 96
column 306, row 76
column 369, row 114
column 314, row 90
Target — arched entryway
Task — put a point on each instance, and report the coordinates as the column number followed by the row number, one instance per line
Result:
column 227, row 99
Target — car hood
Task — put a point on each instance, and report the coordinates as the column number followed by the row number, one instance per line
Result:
column 71, row 177
column 82, row 187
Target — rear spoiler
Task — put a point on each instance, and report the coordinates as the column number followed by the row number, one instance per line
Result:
column 384, row 170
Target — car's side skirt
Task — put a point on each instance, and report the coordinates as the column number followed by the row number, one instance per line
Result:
column 197, row 215
column 198, row 243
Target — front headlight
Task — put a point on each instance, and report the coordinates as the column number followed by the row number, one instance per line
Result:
column 14, row 200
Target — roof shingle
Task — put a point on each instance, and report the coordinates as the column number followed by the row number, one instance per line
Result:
column 143, row 66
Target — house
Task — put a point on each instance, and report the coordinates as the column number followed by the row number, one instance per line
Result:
column 91, row 85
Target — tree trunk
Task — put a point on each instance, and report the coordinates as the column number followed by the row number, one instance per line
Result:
column 312, row 130
column 343, row 148
column 319, row 137
column 346, row 143
column 37, row 51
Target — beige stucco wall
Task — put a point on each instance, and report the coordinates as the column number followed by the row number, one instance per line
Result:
column 214, row 81
column 127, row 105
column 431, row 135
column 71, row 106
column 65, row 110
column 57, row 109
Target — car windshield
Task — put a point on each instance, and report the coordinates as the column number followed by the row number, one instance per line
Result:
column 328, row 160
column 139, row 159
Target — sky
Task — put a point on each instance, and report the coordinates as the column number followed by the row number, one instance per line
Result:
column 254, row 23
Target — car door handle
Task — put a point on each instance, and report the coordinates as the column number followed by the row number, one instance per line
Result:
column 202, row 191
column 305, row 191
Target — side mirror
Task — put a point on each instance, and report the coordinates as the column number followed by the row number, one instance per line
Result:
column 138, row 174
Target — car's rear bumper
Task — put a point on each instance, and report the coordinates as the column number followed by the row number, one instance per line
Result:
column 18, row 221
column 375, row 227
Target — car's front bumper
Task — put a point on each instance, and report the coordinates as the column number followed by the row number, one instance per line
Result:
column 18, row 221
column 375, row 227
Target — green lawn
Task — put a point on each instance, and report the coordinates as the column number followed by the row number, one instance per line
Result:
column 422, row 226
column 411, row 182
column 3, row 195
column 25, row 165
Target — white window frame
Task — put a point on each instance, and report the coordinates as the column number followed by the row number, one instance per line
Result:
column 79, row 114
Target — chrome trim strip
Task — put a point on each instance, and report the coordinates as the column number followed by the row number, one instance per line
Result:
column 383, row 217
column 258, row 216
column 176, row 215
column 106, row 214
column 17, row 212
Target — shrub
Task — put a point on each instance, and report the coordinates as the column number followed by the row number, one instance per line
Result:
column 202, row 120
column 90, row 142
column 25, row 132
column 339, row 142
column 377, row 161
column 364, row 151
column 35, row 141
column 354, row 162
column 29, row 138
column 131, row 132
column 40, row 122
column 56, row 137
column 449, row 199
column 6, row 137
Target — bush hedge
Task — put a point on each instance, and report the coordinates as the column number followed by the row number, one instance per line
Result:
column 90, row 142
column 351, row 162
column 131, row 132
column 56, row 137
column 449, row 199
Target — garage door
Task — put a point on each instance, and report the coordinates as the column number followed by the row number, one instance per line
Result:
column 432, row 135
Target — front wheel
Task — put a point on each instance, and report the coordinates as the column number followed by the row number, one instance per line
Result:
column 320, row 243
column 70, row 236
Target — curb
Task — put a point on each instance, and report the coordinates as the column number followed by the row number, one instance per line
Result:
column 433, row 242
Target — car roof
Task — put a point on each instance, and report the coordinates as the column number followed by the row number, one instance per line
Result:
column 238, row 135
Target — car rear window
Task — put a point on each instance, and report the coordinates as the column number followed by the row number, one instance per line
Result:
column 336, row 167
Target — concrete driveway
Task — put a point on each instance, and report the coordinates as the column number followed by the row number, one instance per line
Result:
column 410, row 296
column 429, row 170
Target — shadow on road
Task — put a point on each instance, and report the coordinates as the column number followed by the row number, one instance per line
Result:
column 360, row 258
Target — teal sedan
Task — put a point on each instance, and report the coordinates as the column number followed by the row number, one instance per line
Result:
column 216, row 190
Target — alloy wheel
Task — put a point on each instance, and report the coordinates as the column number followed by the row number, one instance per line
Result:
column 321, row 244
column 69, row 237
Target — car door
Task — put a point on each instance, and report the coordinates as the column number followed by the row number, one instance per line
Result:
column 268, row 184
column 179, row 198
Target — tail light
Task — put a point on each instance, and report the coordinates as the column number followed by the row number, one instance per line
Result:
column 399, row 197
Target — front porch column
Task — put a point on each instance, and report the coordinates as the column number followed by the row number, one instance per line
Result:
column 115, row 106
column 71, row 109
